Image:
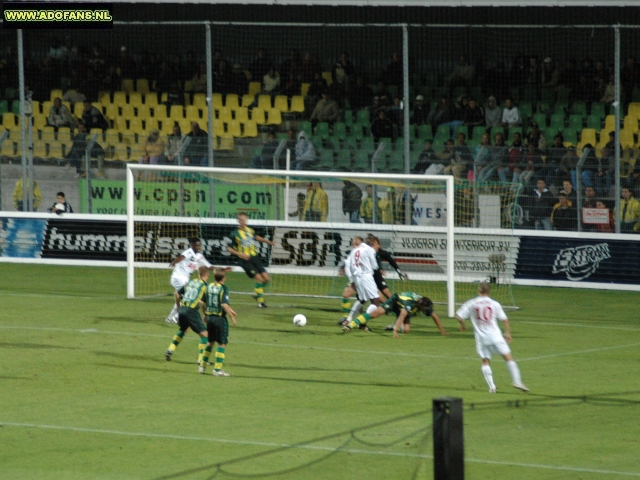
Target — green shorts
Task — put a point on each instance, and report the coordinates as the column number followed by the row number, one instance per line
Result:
column 218, row 329
column 190, row 318
column 252, row 267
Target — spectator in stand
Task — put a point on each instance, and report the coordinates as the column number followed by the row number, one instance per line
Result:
column 550, row 76
column 500, row 153
column 265, row 159
column 341, row 72
column 97, row 60
column 222, row 81
column 536, row 138
column 392, row 73
column 305, row 151
column 496, row 81
column 383, row 95
column 73, row 96
column 570, row 76
column 396, row 112
column 196, row 152
column 368, row 205
column 260, row 65
column 326, row 110
column 511, row 172
column 511, row 115
column 316, row 206
column 291, row 86
column 351, row 199
column 428, row 162
column 443, row 113
column 571, row 193
column 126, row 64
column 314, row 94
column 600, row 74
column 18, row 195
column 568, row 164
column 93, row 118
column 60, row 205
column 309, row 68
column 446, row 156
column 290, row 145
column 533, row 71
column 564, row 215
column 543, row 202
column 551, row 171
column 299, row 211
column 386, row 207
column 629, row 76
column 633, row 181
column 270, row 84
column 589, row 168
column 60, row 116
column 474, row 115
column 604, row 176
column 239, row 83
column 166, row 77
column 460, row 108
column 609, row 92
column 630, row 216
column 173, row 146
column 360, row 94
column 218, row 58
column 420, row 111
column 492, row 114
column 77, row 152
column 291, row 65
column 153, row 149
column 463, row 74
column 112, row 80
column 483, row 160
column 605, row 227
column 461, row 158
column 589, row 200
column 531, row 160
column 199, row 80
column 382, row 127
column 518, row 73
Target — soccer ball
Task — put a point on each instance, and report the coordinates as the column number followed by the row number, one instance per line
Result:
column 299, row 320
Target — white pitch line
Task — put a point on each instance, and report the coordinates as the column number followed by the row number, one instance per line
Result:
column 312, row 447
column 577, row 325
column 578, row 352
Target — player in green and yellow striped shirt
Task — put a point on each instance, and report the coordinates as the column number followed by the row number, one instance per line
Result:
column 244, row 247
column 216, row 310
column 188, row 315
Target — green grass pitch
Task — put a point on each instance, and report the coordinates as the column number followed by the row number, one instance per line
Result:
column 87, row 394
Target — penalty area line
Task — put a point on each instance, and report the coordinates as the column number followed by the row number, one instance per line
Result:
column 578, row 352
column 311, row 447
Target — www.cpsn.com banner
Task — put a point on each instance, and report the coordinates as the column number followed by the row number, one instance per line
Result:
column 109, row 197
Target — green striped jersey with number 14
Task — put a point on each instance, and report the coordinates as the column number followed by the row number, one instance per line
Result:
column 217, row 295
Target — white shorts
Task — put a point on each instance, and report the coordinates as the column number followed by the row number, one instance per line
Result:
column 178, row 281
column 366, row 288
column 500, row 348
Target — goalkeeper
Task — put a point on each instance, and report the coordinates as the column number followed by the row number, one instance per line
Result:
column 244, row 247
column 405, row 305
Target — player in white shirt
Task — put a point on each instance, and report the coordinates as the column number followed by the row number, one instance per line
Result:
column 359, row 268
column 183, row 266
column 483, row 312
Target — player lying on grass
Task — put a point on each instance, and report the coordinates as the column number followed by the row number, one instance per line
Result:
column 188, row 314
column 183, row 266
column 216, row 310
column 483, row 312
column 405, row 305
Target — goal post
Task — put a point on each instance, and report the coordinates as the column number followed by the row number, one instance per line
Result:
column 146, row 181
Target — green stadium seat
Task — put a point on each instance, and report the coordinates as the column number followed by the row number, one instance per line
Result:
column 425, row 132
column 541, row 120
column 339, row 131
column 571, row 136
column 580, row 108
column 594, row 121
column 557, row 121
column 575, row 121
column 597, row 108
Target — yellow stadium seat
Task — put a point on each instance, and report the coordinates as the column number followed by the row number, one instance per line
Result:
column 143, row 112
column 56, row 93
column 142, row 85
column 327, row 76
column 281, row 102
column 264, row 101
column 135, row 99
column 627, row 139
column 15, row 134
column 55, row 149
column 297, row 104
column 234, row 128
column 39, row 121
column 193, row 112
column 164, row 97
column 105, row 98
column 112, row 137
column 247, row 99
column 35, row 107
column 160, row 112
column 120, row 98
column 218, row 128
column 250, row 129
column 226, row 143
column 242, row 114
column 8, row 147
column 631, row 123
column 151, row 99
column 258, row 116
column 78, row 109
column 188, row 86
column 112, row 112
column 48, row 134
column 588, row 136
column 185, row 125
column 150, row 123
column 200, row 100
column 610, row 123
column 127, row 85
column 120, row 124
column 224, row 114
column 275, row 117
column 634, row 109
column 46, row 106
column 40, row 149
column 135, row 125
column 217, row 101
column 9, row 120
column 232, row 101
column 127, row 111
column 136, row 152
column 177, row 112
column 64, row 135
column 304, row 89
column 254, row 88
column 166, row 128
column 120, row 153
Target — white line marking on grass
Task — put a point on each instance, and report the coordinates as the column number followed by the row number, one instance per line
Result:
column 579, row 352
column 311, row 447
column 578, row 325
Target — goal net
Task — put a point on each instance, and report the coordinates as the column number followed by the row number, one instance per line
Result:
column 312, row 218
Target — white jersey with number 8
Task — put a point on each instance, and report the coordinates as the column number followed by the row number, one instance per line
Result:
column 484, row 313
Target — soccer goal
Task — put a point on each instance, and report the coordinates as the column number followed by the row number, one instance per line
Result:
column 312, row 217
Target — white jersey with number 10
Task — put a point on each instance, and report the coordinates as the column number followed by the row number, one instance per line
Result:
column 484, row 313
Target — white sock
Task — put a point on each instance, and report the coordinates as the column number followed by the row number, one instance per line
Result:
column 173, row 311
column 371, row 308
column 355, row 310
column 488, row 376
column 514, row 371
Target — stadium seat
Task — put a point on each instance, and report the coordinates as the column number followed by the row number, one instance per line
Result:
column 200, row 100
column 306, row 127
column 264, row 101
column 275, row 117
column 571, row 136
column 362, row 161
column 234, row 128
column 64, row 135
column 247, row 99
column 281, row 102
column 127, row 85
column 120, row 98
column 105, row 98
column 326, row 160
column 48, row 134
column 56, row 149
column 609, row 123
column 339, row 131
column 631, row 123
column 9, row 120
column 136, row 152
column 120, row 153
column 142, row 86
column 627, row 139
column 597, row 109
column 193, row 112
column 151, row 99
column 226, row 143
column 425, row 132
column 593, row 121
column 557, row 121
column 232, row 101
column 39, row 121
column 40, row 149
column 258, row 115
column 297, row 104
column 135, row 99
column 224, row 114
column 363, row 118
column 443, row 131
column 634, row 109
column 112, row 112
column 250, row 129
column 55, row 93
column 176, row 112
column 4, row 107
column 242, row 114
column 304, row 89
column 575, row 122
column 8, row 148
column 254, row 88
column 112, row 137
column 588, row 136
column 143, row 112
column 462, row 129
column 344, row 160
column 540, row 119
column 322, row 130
column 580, row 108
column 127, row 111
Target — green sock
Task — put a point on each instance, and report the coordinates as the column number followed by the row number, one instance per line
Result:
column 177, row 338
column 219, row 359
column 259, row 289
